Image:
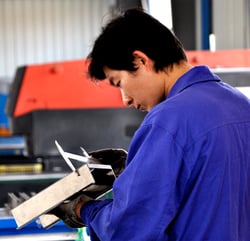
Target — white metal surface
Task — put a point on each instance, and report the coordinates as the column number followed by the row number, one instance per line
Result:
column 52, row 196
column 231, row 23
column 38, row 31
column 40, row 237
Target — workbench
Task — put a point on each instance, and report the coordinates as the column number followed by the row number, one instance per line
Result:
column 33, row 231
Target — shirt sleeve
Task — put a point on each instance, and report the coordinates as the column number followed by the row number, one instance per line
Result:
column 146, row 195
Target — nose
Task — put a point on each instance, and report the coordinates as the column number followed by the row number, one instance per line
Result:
column 128, row 101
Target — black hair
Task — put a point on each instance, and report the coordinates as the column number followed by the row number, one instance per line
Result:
column 133, row 30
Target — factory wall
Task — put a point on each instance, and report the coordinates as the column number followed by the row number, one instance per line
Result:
column 228, row 20
column 38, row 31
column 231, row 23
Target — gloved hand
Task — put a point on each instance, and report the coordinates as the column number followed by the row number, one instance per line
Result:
column 114, row 157
column 66, row 211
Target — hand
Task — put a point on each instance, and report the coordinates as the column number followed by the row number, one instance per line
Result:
column 69, row 210
column 114, row 157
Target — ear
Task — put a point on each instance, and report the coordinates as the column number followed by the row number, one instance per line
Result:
column 140, row 58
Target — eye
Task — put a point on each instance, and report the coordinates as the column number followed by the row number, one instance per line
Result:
column 113, row 83
column 118, row 84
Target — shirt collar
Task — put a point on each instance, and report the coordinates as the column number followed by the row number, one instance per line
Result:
column 195, row 75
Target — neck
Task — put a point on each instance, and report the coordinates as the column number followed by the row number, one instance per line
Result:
column 174, row 73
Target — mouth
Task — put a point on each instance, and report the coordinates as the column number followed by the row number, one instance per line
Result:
column 140, row 108
column 143, row 109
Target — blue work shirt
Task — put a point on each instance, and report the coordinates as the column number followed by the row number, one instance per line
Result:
column 188, row 169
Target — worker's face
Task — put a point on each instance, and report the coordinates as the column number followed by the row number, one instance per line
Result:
column 142, row 89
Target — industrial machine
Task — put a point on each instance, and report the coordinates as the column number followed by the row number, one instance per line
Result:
column 233, row 66
column 56, row 101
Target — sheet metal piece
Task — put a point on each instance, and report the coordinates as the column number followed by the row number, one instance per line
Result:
column 52, row 196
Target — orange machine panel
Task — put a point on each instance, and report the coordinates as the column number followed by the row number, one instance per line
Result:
column 63, row 85
column 221, row 58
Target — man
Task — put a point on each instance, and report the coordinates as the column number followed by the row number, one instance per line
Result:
column 187, row 175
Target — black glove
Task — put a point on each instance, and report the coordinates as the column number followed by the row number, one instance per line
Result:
column 66, row 210
column 114, row 157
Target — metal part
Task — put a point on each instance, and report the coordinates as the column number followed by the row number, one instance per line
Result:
column 85, row 153
column 52, row 196
column 77, row 157
column 66, row 159
column 24, row 196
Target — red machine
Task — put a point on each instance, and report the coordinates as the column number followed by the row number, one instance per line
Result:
column 63, row 85
column 59, row 101
column 235, row 58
